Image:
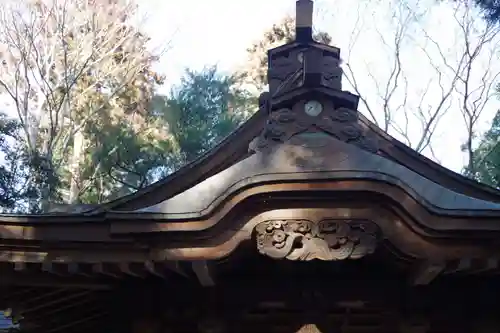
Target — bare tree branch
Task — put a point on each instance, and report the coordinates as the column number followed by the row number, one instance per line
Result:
column 453, row 81
column 64, row 63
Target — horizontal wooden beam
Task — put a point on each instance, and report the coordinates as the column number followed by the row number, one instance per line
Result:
column 426, row 272
column 36, row 280
column 115, row 270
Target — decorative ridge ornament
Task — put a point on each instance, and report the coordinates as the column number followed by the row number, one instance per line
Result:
column 305, row 240
column 306, row 65
column 303, row 62
column 305, row 91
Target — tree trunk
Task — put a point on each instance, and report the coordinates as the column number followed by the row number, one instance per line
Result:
column 78, row 145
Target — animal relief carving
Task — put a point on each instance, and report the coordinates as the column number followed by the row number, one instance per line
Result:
column 326, row 240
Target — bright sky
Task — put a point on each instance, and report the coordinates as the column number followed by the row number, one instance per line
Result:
column 208, row 32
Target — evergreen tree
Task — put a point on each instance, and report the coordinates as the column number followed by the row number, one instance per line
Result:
column 491, row 9
column 487, row 157
column 203, row 109
column 14, row 170
column 86, row 71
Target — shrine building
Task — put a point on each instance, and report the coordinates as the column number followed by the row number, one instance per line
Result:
column 308, row 218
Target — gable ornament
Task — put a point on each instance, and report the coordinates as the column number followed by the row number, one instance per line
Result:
column 305, row 240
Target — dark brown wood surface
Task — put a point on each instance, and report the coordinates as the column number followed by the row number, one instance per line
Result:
column 259, row 294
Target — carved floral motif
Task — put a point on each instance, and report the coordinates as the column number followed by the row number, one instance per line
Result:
column 326, row 240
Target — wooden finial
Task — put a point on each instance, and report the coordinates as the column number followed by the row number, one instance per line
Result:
column 304, row 20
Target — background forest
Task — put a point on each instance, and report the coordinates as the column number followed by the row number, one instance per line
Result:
column 85, row 119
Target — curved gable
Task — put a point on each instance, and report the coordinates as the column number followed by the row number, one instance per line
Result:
column 300, row 72
column 303, row 161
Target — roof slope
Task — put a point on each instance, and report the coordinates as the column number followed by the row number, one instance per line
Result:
column 235, row 149
column 229, row 151
column 301, row 71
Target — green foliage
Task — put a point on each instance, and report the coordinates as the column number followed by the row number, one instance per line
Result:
column 8, row 131
column 491, row 9
column 127, row 151
column 17, row 178
column 123, row 154
column 121, row 145
column 486, row 157
column 83, row 101
column 119, row 161
column 203, row 109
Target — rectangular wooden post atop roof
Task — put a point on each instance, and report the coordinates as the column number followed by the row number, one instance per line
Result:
column 304, row 21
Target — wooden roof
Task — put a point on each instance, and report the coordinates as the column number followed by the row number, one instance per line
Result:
column 286, row 188
column 329, row 186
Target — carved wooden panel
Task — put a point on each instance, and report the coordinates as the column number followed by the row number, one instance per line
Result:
column 326, row 240
column 285, row 72
column 299, row 66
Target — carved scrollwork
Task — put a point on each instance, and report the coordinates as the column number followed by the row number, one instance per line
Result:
column 344, row 115
column 326, row 240
column 280, row 125
column 341, row 123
